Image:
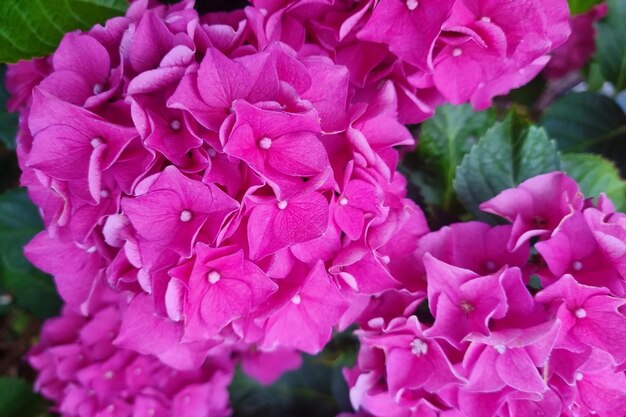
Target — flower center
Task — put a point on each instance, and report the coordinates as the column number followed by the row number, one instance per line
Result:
column 418, row 347
column 457, row 52
column 500, row 349
column 95, row 142
column 104, row 193
column 97, row 89
column 580, row 313
column 490, row 265
column 282, row 204
column 467, row 306
column 176, row 125
column 265, row 143
column 486, row 19
column 579, row 376
column 185, row 216
column 296, row 299
column 577, row 265
column 213, row 277
column 343, row 201
column 412, row 4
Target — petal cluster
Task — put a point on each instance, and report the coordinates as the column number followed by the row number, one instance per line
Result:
column 86, row 374
column 508, row 321
column 234, row 174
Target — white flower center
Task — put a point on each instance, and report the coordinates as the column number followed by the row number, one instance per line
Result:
column 185, row 216
column 386, row 259
column 282, row 204
column 108, row 375
column 579, row 376
column 577, row 265
column 213, row 277
column 457, row 52
column 580, row 313
column 97, row 89
column 486, row 19
column 412, row 4
column 418, row 347
column 95, row 142
column 343, row 201
column 104, row 193
column 500, row 349
column 466, row 306
column 176, row 125
column 296, row 299
column 265, row 143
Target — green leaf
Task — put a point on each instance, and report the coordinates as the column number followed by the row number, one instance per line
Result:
column 595, row 175
column 17, row 399
column 509, row 153
column 317, row 389
column 19, row 222
column 32, row 290
column 579, row 121
column 304, row 393
column 581, row 6
column 444, row 140
column 611, row 44
column 35, row 27
column 529, row 94
column 8, row 121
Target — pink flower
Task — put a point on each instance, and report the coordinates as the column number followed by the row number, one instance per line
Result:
column 230, row 182
column 580, row 46
column 221, row 287
column 82, row 68
column 85, row 374
column 181, row 207
column 463, row 302
column 589, row 317
column 275, row 224
column 413, row 360
column 536, row 206
column 573, row 249
column 209, row 93
column 408, row 27
column 307, row 311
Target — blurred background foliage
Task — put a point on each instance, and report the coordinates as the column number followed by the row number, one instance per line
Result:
column 576, row 124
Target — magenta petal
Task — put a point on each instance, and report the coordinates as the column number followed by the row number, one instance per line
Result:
column 301, row 218
column 517, row 371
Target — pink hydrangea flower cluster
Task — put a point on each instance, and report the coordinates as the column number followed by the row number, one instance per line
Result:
column 579, row 47
column 495, row 345
column 232, row 176
column 86, row 375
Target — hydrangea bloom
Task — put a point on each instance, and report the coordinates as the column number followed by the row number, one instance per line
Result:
column 577, row 50
column 86, row 375
column 208, row 166
column 495, row 346
column 234, row 174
